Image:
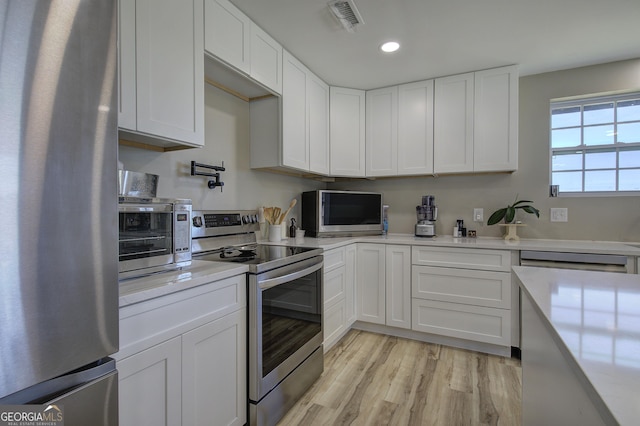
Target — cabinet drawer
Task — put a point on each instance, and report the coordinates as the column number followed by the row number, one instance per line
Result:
column 452, row 257
column 480, row 288
column 148, row 323
column 481, row 324
column 334, row 286
column 334, row 259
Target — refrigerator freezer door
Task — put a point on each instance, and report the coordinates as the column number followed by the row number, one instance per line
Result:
column 58, row 165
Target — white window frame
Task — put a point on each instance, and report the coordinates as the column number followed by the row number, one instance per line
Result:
column 616, row 146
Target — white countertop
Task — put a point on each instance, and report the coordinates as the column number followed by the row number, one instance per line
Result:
column 595, row 317
column 575, row 246
column 198, row 273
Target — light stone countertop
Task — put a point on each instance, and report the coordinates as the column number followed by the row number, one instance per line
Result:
column 574, row 246
column 198, row 273
column 595, row 318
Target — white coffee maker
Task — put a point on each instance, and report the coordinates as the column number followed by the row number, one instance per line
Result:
column 427, row 213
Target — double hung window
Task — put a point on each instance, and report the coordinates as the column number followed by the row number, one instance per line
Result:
column 595, row 145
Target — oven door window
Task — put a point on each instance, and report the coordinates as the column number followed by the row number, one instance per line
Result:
column 145, row 234
column 291, row 316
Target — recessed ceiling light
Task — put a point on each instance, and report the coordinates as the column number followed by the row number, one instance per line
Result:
column 390, row 46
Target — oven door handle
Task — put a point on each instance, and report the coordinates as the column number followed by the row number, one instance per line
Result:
column 272, row 282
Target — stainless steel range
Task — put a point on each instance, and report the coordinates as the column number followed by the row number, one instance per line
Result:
column 285, row 308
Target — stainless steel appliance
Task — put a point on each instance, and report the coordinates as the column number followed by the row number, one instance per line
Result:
column 327, row 213
column 427, row 214
column 58, row 164
column 154, row 235
column 285, row 308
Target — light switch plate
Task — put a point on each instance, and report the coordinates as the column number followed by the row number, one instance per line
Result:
column 559, row 215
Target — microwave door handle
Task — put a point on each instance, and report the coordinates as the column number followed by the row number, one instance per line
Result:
column 272, row 282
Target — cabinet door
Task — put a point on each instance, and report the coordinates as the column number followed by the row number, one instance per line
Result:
column 415, row 128
column 398, row 286
column 318, row 113
column 295, row 139
column 227, row 34
column 334, row 324
column 495, row 130
column 266, row 59
column 127, row 64
column 214, row 372
column 149, row 386
column 350, row 283
column 170, row 69
column 347, row 134
column 371, row 283
column 334, row 286
column 453, row 124
column 382, row 132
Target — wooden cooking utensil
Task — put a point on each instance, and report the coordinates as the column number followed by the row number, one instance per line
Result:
column 283, row 216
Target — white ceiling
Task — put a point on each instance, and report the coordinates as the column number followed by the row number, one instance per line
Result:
column 445, row 37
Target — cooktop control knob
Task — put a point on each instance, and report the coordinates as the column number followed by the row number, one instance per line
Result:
column 254, row 218
column 197, row 221
column 245, row 219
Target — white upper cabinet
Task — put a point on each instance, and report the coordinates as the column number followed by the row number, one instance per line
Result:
column 495, row 131
column 295, row 142
column 227, row 34
column 415, row 128
column 167, row 72
column 453, row 124
column 305, row 118
column 318, row 127
column 266, row 59
column 233, row 38
column 347, row 134
column 382, row 132
column 476, row 122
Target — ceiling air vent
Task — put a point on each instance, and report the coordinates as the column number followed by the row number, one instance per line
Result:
column 347, row 13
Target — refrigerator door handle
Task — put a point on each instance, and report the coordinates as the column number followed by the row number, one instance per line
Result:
column 49, row 389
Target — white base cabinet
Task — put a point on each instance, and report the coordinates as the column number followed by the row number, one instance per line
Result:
column 462, row 293
column 149, row 384
column 182, row 358
column 338, row 291
column 384, row 284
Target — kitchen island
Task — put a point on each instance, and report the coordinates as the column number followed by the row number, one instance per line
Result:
column 580, row 346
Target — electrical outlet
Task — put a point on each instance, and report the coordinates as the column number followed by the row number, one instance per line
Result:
column 559, row 215
column 478, row 215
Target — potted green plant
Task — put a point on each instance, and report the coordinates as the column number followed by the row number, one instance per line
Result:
column 509, row 213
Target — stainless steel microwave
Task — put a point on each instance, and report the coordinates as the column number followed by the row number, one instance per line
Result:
column 328, row 213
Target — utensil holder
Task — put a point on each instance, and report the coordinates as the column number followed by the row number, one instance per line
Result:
column 275, row 233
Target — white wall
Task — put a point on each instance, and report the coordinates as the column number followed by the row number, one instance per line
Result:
column 227, row 139
column 590, row 218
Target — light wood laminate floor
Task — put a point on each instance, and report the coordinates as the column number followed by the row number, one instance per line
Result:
column 373, row 379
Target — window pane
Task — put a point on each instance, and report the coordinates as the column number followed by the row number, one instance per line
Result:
column 567, row 181
column 565, row 138
column 598, row 114
column 568, row 161
column 629, row 110
column 602, row 180
column 629, row 158
column 630, row 180
column 598, row 135
column 629, row 133
column 565, row 117
column 600, row 160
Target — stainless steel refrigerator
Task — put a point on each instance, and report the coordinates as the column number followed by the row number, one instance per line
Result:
column 58, row 197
